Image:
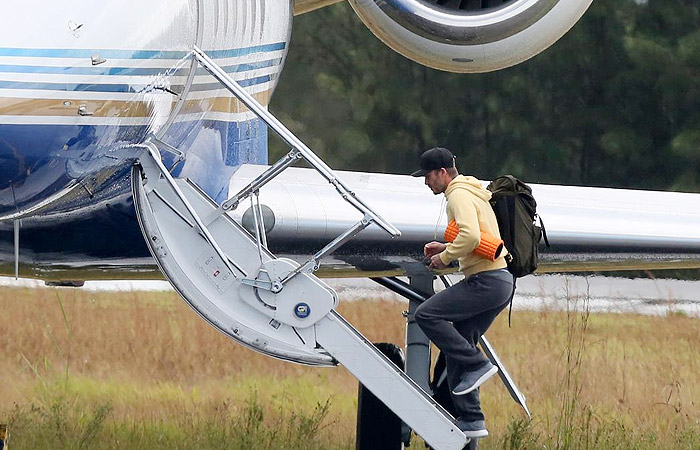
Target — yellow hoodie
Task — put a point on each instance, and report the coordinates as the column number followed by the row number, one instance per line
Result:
column 468, row 204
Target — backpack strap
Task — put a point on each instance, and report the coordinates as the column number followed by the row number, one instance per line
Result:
column 544, row 232
column 510, row 307
column 510, row 204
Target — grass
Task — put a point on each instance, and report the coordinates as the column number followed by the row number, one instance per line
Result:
column 103, row 370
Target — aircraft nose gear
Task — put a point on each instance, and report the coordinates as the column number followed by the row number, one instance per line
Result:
column 273, row 305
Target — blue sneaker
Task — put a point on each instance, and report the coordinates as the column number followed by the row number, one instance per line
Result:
column 473, row 428
column 474, row 379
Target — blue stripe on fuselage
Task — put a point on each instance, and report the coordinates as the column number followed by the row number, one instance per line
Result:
column 135, row 54
column 237, row 68
column 118, row 87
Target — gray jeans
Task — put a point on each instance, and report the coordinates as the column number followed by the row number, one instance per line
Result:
column 455, row 318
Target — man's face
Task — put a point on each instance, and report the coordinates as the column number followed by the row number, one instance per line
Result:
column 436, row 180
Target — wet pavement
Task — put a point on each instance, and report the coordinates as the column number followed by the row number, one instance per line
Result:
column 557, row 292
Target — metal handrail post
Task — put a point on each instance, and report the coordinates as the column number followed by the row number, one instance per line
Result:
column 261, row 220
column 262, row 179
column 337, row 242
column 255, row 185
column 258, row 237
column 155, row 155
column 228, row 82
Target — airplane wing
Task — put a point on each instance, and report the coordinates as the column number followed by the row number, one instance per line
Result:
column 589, row 229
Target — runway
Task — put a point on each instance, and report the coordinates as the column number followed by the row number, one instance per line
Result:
column 534, row 292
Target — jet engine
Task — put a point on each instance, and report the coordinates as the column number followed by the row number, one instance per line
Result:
column 469, row 35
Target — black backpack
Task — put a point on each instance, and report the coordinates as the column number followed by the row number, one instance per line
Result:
column 516, row 213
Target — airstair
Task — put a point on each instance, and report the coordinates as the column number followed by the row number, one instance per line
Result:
column 273, row 305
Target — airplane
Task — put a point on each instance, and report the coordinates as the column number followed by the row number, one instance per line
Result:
column 134, row 134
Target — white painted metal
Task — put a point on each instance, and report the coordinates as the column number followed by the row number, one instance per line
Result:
column 140, row 43
column 208, row 265
column 513, row 390
column 598, row 217
column 16, row 224
column 214, row 291
column 393, row 387
column 289, row 137
column 514, row 47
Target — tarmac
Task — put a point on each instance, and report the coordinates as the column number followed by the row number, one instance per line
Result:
column 534, row 292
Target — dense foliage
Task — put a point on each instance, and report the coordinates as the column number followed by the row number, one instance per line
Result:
column 616, row 102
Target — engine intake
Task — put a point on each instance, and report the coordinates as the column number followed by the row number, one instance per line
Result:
column 469, row 35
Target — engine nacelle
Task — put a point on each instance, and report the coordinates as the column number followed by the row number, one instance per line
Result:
column 469, row 35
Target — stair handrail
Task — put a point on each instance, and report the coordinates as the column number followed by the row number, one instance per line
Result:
column 317, row 163
column 152, row 149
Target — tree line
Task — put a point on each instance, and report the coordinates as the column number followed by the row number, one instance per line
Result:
column 615, row 102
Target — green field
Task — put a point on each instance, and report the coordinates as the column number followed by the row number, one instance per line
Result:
column 96, row 370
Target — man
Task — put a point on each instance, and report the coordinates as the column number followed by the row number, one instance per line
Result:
column 456, row 317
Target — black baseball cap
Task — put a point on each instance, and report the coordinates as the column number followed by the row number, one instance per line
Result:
column 433, row 159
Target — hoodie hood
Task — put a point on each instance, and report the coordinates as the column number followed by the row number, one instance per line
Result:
column 469, row 183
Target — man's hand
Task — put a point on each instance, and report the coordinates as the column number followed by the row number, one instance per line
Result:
column 433, row 248
column 436, row 262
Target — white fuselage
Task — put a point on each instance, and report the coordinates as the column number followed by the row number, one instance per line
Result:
column 81, row 81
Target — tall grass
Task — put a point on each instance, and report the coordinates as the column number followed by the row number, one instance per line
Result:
column 574, row 424
column 104, row 370
column 64, row 425
column 581, row 424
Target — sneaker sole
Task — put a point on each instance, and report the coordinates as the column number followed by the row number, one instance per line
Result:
column 482, row 379
column 476, row 434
